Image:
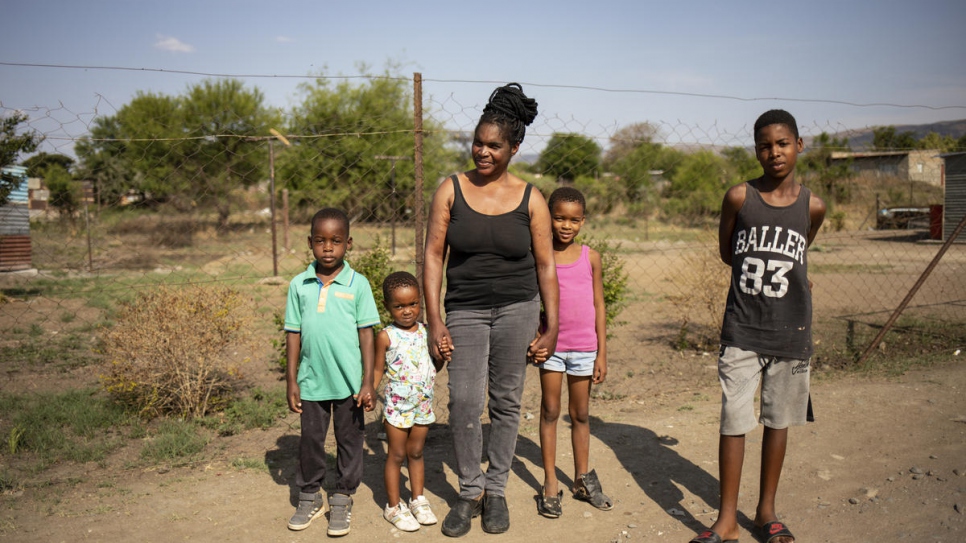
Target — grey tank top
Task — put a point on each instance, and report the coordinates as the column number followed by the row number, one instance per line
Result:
column 490, row 262
column 769, row 309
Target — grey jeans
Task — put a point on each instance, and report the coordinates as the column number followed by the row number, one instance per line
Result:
column 490, row 359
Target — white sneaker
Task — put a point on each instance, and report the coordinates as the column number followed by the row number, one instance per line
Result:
column 420, row 508
column 400, row 517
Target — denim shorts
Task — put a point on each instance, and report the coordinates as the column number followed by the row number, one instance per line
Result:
column 576, row 363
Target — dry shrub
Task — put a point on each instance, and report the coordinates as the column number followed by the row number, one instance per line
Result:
column 170, row 353
column 702, row 282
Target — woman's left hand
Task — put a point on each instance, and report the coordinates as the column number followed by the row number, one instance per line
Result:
column 535, row 353
column 542, row 345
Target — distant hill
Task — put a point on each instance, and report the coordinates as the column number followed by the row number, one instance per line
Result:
column 860, row 140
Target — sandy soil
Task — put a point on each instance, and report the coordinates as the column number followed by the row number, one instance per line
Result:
column 884, row 462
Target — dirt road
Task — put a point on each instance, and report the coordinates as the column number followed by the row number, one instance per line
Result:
column 886, row 461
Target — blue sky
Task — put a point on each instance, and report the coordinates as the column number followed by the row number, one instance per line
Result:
column 808, row 55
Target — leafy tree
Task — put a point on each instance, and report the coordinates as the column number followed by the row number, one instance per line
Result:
column 742, row 162
column 98, row 162
column 816, row 165
column 65, row 193
column 933, row 140
column 13, row 142
column 601, row 193
column 37, row 164
column 885, row 138
column 189, row 150
column 135, row 150
column 221, row 121
column 628, row 139
column 697, row 184
column 636, row 170
column 462, row 143
column 635, row 160
column 344, row 132
column 148, row 130
column 569, row 155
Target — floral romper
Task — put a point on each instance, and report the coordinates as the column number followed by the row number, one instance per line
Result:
column 409, row 393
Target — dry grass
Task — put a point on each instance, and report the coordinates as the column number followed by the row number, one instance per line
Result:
column 169, row 351
column 700, row 303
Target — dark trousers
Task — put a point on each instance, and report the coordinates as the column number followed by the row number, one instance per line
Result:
column 348, row 422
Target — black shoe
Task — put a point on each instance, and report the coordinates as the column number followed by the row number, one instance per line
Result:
column 496, row 517
column 459, row 518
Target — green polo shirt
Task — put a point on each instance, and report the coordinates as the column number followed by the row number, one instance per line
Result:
column 329, row 317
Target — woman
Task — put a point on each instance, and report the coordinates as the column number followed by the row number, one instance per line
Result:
column 496, row 228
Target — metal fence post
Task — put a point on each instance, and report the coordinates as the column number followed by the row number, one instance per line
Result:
column 418, row 170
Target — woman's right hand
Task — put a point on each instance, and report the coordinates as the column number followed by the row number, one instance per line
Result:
column 440, row 342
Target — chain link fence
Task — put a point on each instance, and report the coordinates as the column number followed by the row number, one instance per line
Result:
column 177, row 190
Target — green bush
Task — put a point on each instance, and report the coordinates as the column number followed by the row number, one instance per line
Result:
column 602, row 194
column 376, row 264
column 169, row 351
column 614, row 278
column 278, row 344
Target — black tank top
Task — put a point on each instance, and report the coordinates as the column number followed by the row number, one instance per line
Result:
column 490, row 262
column 769, row 308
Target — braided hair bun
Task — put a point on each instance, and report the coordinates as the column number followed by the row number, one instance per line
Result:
column 511, row 110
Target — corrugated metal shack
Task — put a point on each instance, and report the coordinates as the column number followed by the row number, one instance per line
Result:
column 954, row 201
column 15, row 224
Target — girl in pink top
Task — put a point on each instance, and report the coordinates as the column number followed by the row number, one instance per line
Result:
column 581, row 353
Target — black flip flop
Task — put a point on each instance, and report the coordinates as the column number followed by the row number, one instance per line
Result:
column 773, row 529
column 710, row 536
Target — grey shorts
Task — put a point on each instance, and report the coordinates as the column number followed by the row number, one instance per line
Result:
column 784, row 390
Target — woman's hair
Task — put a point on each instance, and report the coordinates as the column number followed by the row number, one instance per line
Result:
column 511, row 110
column 397, row 280
column 776, row 116
column 567, row 194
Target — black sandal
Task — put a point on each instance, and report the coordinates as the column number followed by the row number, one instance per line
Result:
column 772, row 530
column 549, row 506
column 587, row 488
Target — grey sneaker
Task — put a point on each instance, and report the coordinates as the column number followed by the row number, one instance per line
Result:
column 340, row 514
column 310, row 507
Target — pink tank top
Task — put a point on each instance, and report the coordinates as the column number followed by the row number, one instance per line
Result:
column 578, row 331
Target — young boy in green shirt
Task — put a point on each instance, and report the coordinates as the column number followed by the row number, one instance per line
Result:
column 329, row 317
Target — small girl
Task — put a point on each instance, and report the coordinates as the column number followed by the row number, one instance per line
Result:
column 581, row 353
column 402, row 354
